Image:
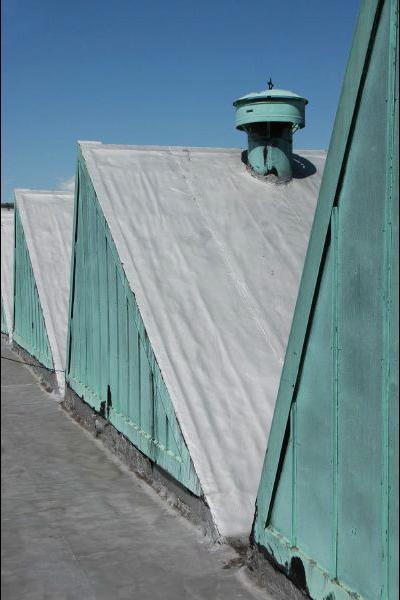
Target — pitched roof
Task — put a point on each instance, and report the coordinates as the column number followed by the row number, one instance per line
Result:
column 47, row 218
column 7, row 263
column 214, row 257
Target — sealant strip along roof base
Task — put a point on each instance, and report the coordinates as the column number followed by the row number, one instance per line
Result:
column 214, row 257
column 47, row 218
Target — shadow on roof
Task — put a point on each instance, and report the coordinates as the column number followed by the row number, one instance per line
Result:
column 302, row 167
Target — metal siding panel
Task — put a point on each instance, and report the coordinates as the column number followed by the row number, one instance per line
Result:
column 82, row 295
column 146, row 408
column 341, row 138
column 79, row 304
column 303, row 507
column 360, row 336
column 85, row 283
column 73, row 350
column 103, row 311
column 281, row 511
column 363, row 388
column 113, row 331
column 90, row 261
column 391, row 521
column 134, row 375
column 160, row 421
column 314, row 433
column 96, row 323
column 173, row 440
column 75, row 358
column 393, row 410
column 122, row 350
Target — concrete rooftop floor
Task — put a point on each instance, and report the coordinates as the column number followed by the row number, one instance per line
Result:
column 76, row 524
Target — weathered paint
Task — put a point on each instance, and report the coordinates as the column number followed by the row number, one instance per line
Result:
column 4, row 326
column 29, row 330
column 110, row 362
column 327, row 502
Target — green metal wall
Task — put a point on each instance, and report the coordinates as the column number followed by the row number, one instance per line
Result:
column 110, row 363
column 327, row 504
column 29, row 326
column 4, row 327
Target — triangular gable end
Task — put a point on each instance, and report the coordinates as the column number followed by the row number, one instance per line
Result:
column 29, row 329
column 105, row 325
column 46, row 218
column 327, row 502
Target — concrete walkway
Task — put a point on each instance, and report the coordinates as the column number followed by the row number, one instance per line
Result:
column 77, row 525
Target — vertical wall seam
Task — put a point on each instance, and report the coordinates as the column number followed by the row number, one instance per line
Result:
column 15, row 245
column 128, row 359
column 293, row 424
column 108, row 313
column 115, row 283
column 83, row 266
column 335, row 389
column 139, row 368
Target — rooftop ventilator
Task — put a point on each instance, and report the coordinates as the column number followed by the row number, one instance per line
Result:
column 270, row 118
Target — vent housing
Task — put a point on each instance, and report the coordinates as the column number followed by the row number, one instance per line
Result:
column 270, row 118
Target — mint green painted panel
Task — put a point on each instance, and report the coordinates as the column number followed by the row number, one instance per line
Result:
column 251, row 110
column 361, row 325
column 303, row 508
column 330, row 186
column 391, row 338
column 280, row 519
column 339, row 386
column 110, row 360
column 314, row 432
column 4, row 326
column 281, row 112
column 29, row 326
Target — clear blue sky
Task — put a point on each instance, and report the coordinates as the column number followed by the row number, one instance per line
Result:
column 157, row 72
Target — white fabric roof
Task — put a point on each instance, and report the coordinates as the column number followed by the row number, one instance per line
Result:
column 214, row 257
column 47, row 219
column 7, row 264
